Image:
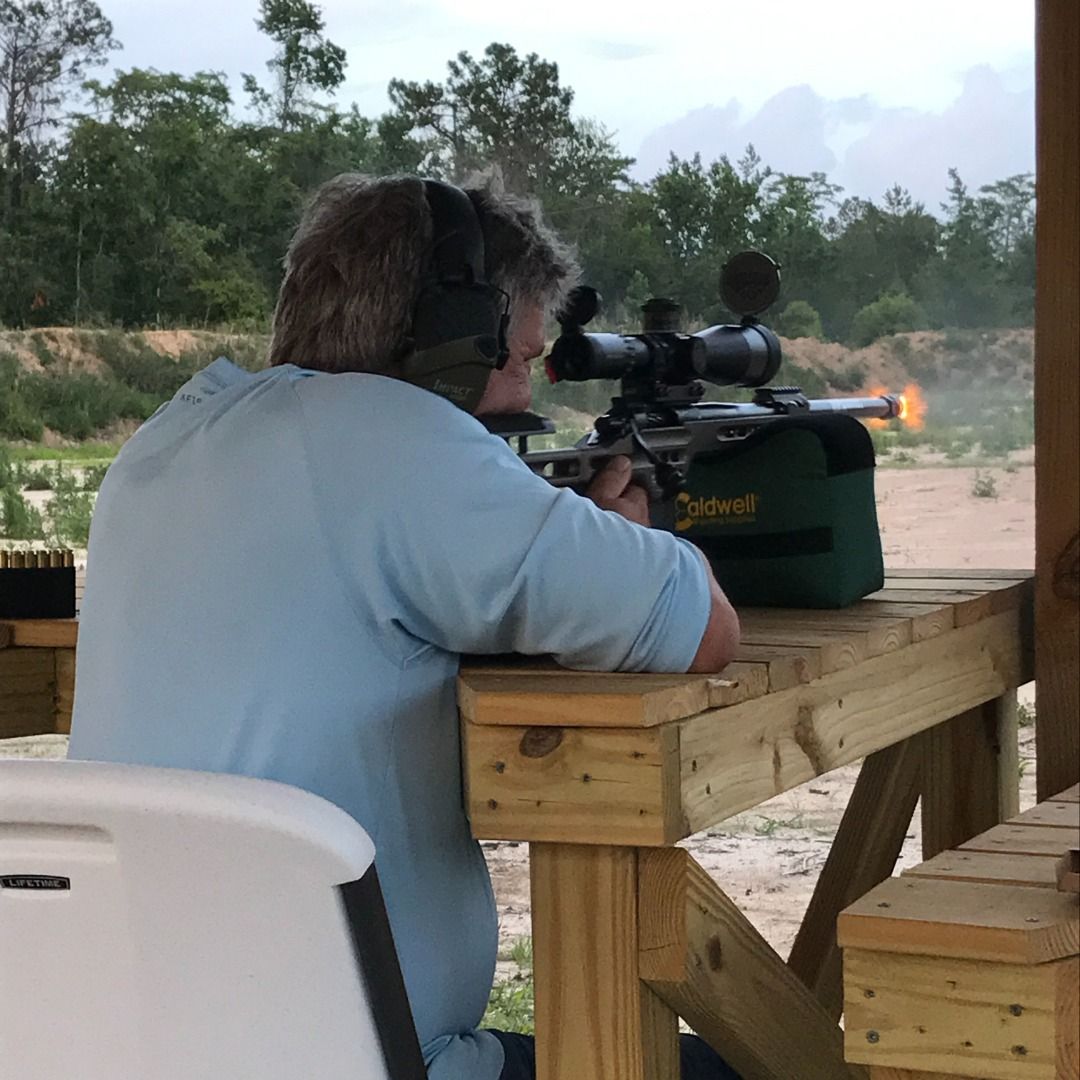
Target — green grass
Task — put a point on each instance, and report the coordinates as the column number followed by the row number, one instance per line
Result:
column 511, row 1005
column 84, row 453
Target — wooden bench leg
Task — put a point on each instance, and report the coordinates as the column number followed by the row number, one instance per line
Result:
column 970, row 776
column 595, row 1019
column 863, row 854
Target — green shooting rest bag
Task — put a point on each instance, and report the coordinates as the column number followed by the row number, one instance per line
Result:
column 787, row 516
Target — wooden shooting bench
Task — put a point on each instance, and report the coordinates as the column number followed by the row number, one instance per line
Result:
column 603, row 775
column 969, row 964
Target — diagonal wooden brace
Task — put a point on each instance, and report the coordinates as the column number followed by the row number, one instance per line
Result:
column 701, row 955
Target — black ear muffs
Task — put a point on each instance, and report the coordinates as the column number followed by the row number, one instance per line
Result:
column 459, row 333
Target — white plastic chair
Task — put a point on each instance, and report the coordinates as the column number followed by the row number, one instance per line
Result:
column 159, row 924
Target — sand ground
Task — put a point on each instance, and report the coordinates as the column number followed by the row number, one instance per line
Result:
column 768, row 859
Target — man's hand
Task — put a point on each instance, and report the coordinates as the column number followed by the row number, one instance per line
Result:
column 613, row 489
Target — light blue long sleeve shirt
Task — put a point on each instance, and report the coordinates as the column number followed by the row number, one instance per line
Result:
column 283, row 570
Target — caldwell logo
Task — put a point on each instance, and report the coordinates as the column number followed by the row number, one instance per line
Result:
column 690, row 512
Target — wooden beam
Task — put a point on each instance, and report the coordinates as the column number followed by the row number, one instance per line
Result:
column 1062, row 815
column 1009, row 839
column 701, row 955
column 737, row 758
column 43, row 633
column 971, row 775
column 27, row 692
column 595, row 1019
column 863, row 854
column 947, row 1015
column 994, row 868
column 65, row 690
column 1009, row 924
column 1057, row 394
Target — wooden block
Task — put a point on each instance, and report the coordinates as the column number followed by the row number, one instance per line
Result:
column 863, row 854
column 788, row 667
column 738, row 682
column 1064, row 815
column 579, row 699
column 956, row 1016
column 1068, row 795
column 970, row 774
column 5, row 635
column 595, row 1019
column 44, row 633
column 702, row 956
column 1023, row 840
column 737, row 758
column 1006, row 923
column 993, row 868
column 575, row 785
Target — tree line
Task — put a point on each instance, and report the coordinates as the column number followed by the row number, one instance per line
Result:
column 155, row 199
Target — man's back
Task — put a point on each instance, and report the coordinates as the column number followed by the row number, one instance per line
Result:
column 283, row 569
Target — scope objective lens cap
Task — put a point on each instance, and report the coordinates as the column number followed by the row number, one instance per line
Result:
column 749, row 283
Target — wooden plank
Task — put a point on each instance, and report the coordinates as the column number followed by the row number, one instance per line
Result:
column 701, row 955
column 580, row 699
column 1057, row 394
column 968, row 607
column 875, row 634
column 1006, row 923
column 5, row 635
column 65, row 690
column 863, row 854
column 593, row 1014
column 1010, row 586
column 959, row 574
column 576, row 785
column 738, row 682
column 737, row 758
column 970, row 775
column 995, row 868
column 653, row 786
column 44, row 633
column 1068, row 795
column 1023, row 840
column 953, row 1016
column 1064, row 815
column 788, row 666
column 886, row 1072
column 837, row 649
column 1067, row 871
column 927, row 620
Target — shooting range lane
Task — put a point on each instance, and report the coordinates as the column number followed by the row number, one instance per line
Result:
column 604, row 774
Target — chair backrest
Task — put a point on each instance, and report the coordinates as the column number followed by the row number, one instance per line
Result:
column 187, row 926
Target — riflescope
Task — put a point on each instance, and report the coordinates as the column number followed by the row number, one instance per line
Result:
column 737, row 354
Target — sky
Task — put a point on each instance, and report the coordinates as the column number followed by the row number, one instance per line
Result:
column 873, row 93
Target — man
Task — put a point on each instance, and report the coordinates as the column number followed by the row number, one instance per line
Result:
column 285, row 567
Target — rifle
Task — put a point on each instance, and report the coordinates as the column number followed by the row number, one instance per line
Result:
column 658, row 419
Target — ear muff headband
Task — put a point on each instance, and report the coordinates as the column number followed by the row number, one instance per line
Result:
column 459, row 323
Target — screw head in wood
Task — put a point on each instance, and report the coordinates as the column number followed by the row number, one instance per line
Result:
column 873, row 1037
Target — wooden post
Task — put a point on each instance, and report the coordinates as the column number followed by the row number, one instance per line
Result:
column 595, row 1019
column 1057, row 394
column 970, row 775
column 863, row 854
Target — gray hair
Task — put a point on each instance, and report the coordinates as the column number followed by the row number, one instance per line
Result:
column 356, row 261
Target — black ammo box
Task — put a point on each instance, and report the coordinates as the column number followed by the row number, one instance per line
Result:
column 787, row 516
column 37, row 592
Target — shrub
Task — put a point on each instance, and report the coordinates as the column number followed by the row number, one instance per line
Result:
column 890, row 313
column 849, row 378
column 18, row 519
column 984, row 486
column 799, row 319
